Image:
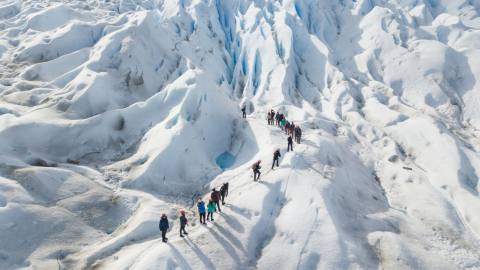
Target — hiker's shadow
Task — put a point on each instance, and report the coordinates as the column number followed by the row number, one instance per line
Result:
column 234, row 223
column 182, row 262
column 241, row 211
column 203, row 258
column 231, row 238
column 227, row 246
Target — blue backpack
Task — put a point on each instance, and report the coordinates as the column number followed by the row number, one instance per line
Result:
column 201, row 207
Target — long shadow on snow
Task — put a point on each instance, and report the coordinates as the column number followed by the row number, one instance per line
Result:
column 179, row 257
column 233, row 223
column 342, row 197
column 241, row 211
column 203, row 258
column 230, row 250
column 264, row 230
column 229, row 236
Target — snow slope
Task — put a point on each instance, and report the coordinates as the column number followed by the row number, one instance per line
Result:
column 113, row 112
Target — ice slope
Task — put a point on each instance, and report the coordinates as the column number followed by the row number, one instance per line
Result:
column 113, row 112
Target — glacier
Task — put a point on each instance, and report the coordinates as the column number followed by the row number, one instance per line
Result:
column 113, row 112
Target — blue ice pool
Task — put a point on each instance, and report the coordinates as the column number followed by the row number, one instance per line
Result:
column 225, row 160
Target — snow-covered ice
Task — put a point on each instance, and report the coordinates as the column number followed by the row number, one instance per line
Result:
column 114, row 112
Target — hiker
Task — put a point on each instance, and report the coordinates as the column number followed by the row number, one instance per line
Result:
column 215, row 196
column 290, row 143
column 287, row 127
column 292, row 128
column 210, row 209
column 201, row 211
column 269, row 117
column 276, row 157
column 283, row 122
column 298, row 134
column 272, row 117
column 277, row 119
column 183, row 223
column 244, row 111
column 224, row 192
column 163, row 226
column 256, row 170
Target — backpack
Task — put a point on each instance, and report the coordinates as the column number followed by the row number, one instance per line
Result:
column 211, row 207
column 201, row 207
column 215, row 196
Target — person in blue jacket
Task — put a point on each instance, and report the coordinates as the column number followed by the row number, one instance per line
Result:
column 201, row 211
column 163, row 226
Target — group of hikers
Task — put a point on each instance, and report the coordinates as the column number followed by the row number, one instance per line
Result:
column 207, row 211
column 279, row 119
column 216, row 196
column 294, row 133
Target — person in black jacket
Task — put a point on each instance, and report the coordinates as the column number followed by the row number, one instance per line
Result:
column 298, row 134
column 276, row 157
column 256, row 170
column 244, row 111
column 163, row 226
column 290, row 143
column 224, row 192
column 183, row 223
column 215, row 196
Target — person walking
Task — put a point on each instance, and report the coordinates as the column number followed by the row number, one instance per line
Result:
column 183, row 223
column 210, row 210
column 244, row 111
column 290, row 144
column 224, row 192
column 298, row 134
column 283, row 122
column 276, row 157
column 215, row 196
column 163, row 226
column 256, row 170
column 287, row 127
column 277, row 118
column 201, row 211
column 268, row 117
